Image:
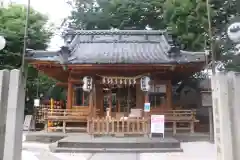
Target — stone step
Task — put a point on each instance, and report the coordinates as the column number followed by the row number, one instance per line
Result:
column 123, row 145
column 113, row 150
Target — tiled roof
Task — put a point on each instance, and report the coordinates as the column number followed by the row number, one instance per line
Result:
column 123, row 46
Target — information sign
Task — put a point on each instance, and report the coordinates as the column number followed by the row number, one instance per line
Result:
column 146, row 107
column 157, row 124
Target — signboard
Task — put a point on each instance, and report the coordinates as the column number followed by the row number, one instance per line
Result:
column 206, row 99
column 160, row 88
column 36, row 102
column 146, row 107
column 157, row 124
column 28, row 123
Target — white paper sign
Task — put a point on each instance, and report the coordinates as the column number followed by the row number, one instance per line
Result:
column 36, row 102
column 28, row 123
column 157, row 124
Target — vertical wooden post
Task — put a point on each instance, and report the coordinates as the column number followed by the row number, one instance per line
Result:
column 128, row 100
column 169, row 95
column 146, row 100
column 83, row 98
column 99, row 98
column 110, row 102
column 91, row 103
column 118, row 100
column 74, row 97
column 69, row 95
column 94, row 100
column 139, row 96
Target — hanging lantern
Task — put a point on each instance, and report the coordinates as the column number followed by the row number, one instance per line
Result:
column 145, row 84
column 87, row 84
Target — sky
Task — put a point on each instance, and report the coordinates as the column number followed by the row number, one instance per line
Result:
column 56, row 10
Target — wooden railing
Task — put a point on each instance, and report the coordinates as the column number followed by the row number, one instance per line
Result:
column 66, row 115
column 118, row 127
column 180, row 120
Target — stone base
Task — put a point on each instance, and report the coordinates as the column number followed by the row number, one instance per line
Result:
column 44, row 137
column 87, row 143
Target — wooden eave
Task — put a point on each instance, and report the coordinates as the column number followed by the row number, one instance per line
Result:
column 165, row 71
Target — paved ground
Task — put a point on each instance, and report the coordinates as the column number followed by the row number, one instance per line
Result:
column 192, row 151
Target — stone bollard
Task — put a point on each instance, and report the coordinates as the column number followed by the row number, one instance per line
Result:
column 15, row 116
column 4, row 85
column 226, row 102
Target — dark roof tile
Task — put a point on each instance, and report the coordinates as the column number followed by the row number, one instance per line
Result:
column 123, row 46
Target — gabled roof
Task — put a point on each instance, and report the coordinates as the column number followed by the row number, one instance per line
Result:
column 118, row 47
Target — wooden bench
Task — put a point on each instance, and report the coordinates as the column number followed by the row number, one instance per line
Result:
column 177, row 117
column 64, row 116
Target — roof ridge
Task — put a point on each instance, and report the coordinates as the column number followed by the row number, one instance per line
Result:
column 115, row 32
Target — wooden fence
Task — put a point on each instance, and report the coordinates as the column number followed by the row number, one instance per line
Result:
column 179, row 120
column 117, row 127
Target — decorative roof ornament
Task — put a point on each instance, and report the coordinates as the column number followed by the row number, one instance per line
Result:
column 174, row 50
column 63, row 56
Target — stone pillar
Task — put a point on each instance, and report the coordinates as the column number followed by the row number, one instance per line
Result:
column 4, row 86
column 234, row 107
column 15, row 116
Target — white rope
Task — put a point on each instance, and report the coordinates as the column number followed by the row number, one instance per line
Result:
column 120, row 79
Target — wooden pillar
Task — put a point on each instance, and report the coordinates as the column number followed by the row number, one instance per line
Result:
column 74, row 97
column 128, row 100
column 110, row 102
column 99, row 99
column 118, row 100
column 69, row 95
column 94, row 100
column 146, row 100
column 169, row 95
column 139, row 96
column 91, row 103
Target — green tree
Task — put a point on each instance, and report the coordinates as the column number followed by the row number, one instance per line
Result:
column 188, row 22
column 121, row 14
column 12, row 23
column 186, row 19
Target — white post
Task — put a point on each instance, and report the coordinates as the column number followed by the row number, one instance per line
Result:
column 15, row 116
column 4, row 85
